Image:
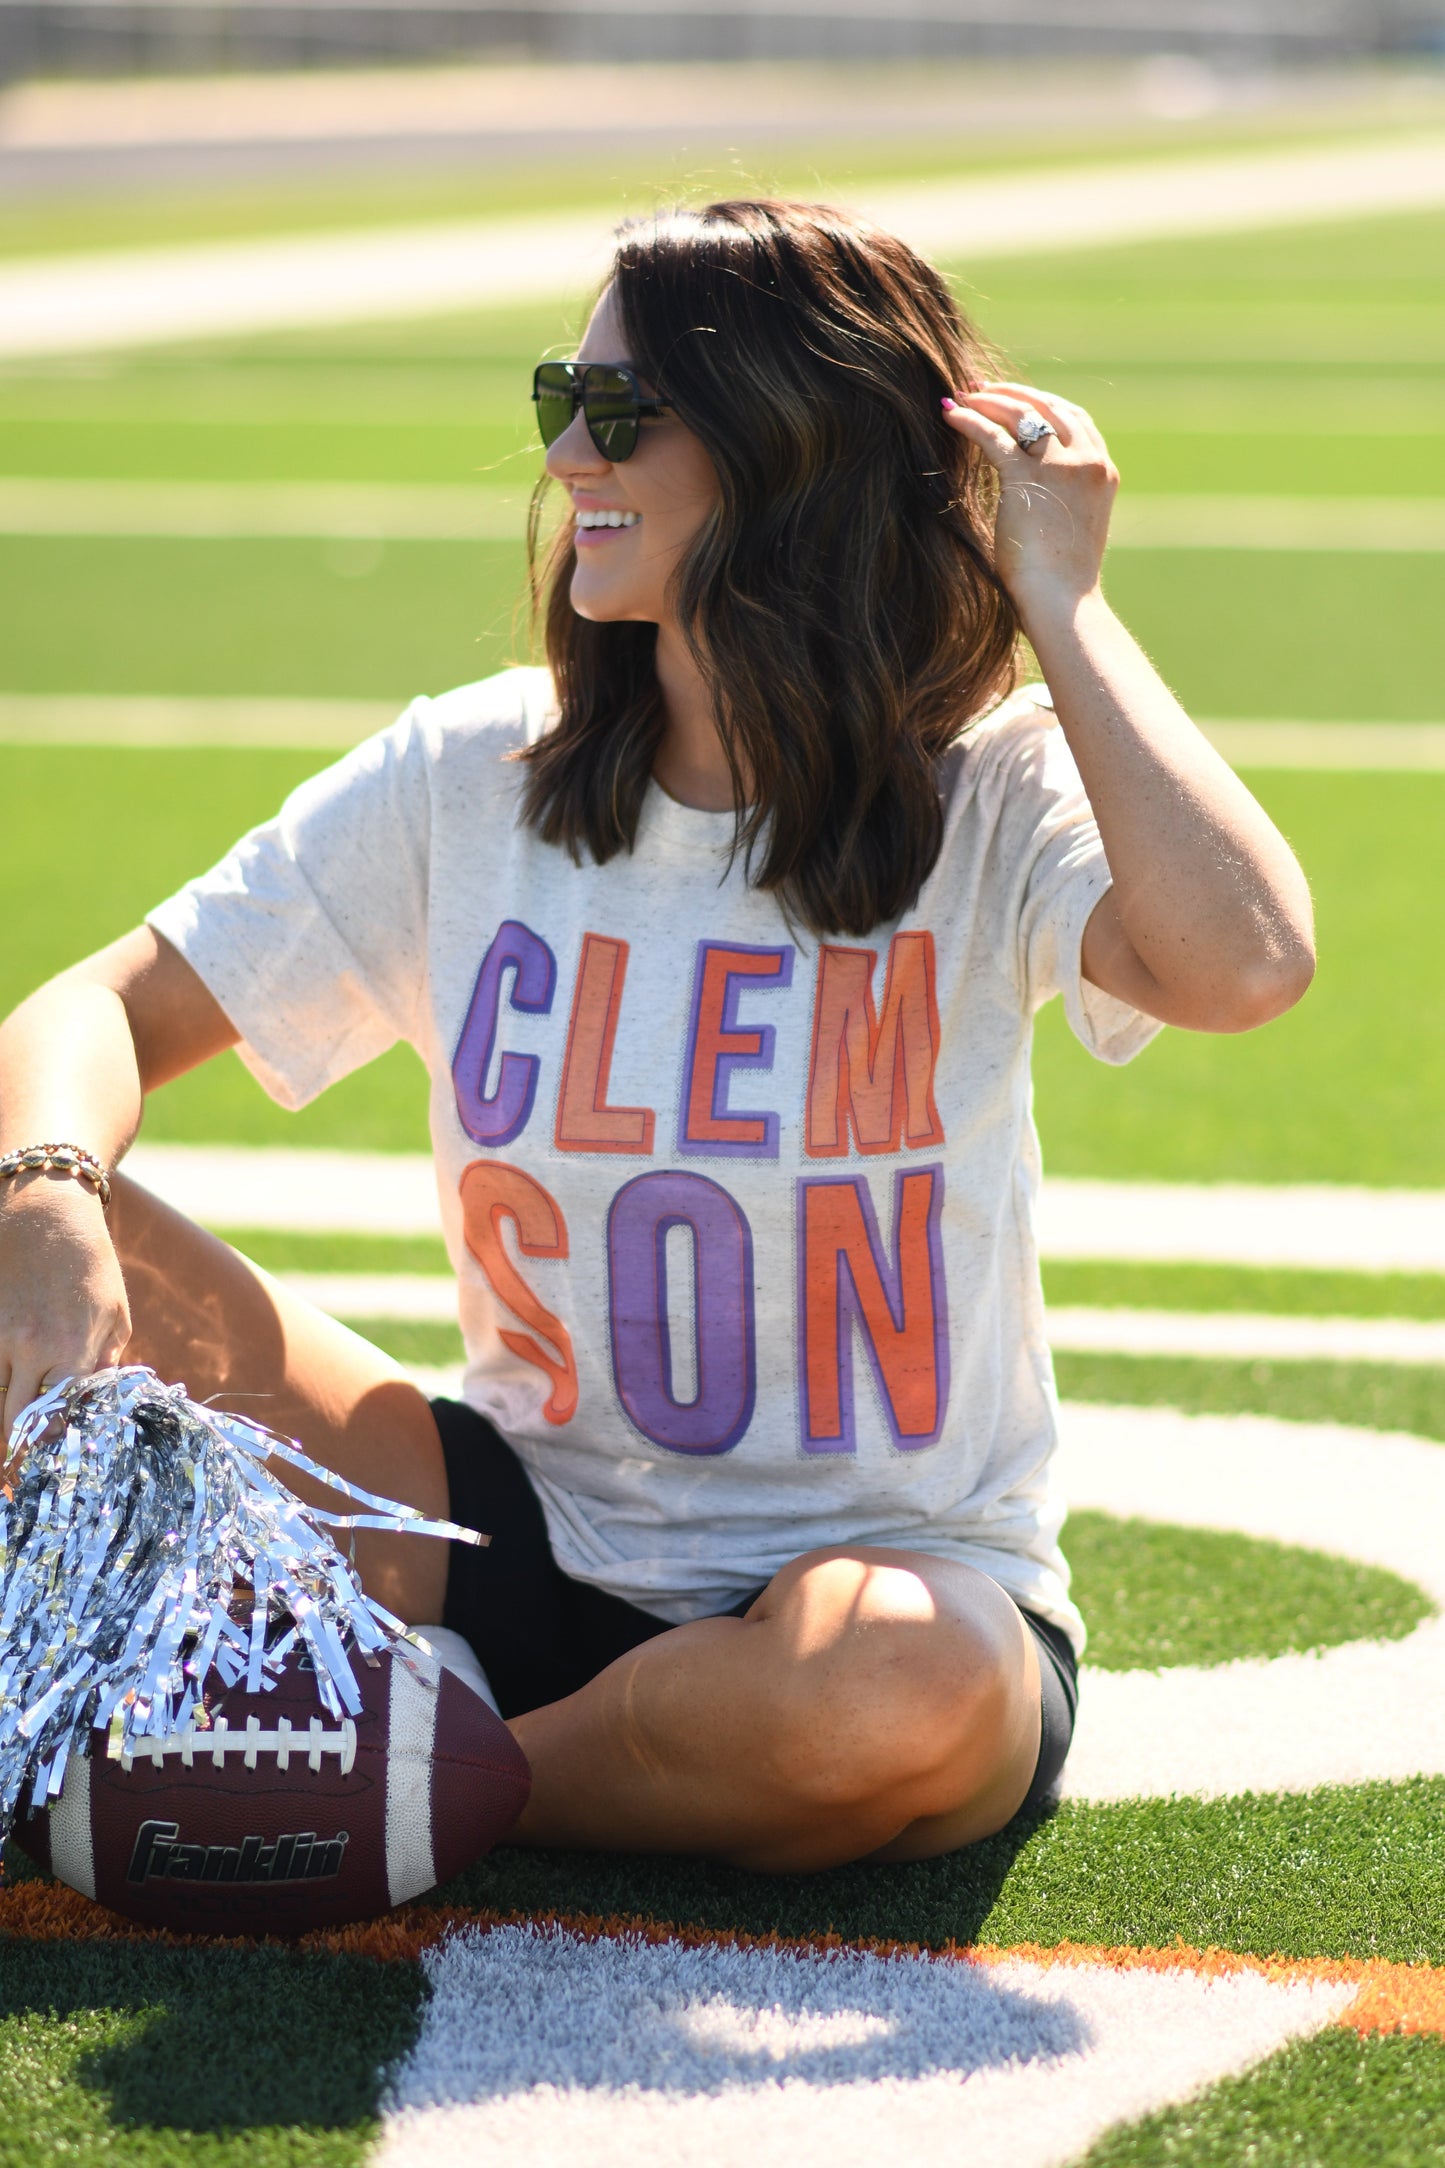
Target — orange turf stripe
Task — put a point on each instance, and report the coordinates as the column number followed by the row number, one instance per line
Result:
column 1392, row 1997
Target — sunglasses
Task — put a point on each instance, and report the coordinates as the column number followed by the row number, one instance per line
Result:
column 612, row 404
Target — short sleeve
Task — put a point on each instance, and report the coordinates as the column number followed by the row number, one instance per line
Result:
column 311, row 933
column 1062, row 873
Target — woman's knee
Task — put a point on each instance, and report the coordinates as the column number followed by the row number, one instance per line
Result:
column 896, row 1680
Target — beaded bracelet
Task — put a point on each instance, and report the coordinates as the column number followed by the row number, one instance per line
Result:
column 59, row 1159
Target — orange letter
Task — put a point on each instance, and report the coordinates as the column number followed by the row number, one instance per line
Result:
column 845, row 1278
column 874, row 1076
column 492, row 1191
column 585, row 1122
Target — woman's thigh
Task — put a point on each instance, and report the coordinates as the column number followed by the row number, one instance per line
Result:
column 204, row 1316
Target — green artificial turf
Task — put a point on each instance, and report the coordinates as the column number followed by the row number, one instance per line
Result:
column 411, row 1340
column 1154, row 1594
column 1327, row 637
column 1345, row 1871
column 283, row 617
column 1271, row 1291
column 174, row 2058
column 170, row 815
column 278, row 1250
column 1347, row 1086
column 265, row 618
column 1377, row 1396
column 1334, row 2101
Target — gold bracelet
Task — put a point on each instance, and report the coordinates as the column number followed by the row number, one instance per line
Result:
column 59, row 1159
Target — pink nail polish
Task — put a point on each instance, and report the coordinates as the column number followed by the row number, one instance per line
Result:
column 947, row 403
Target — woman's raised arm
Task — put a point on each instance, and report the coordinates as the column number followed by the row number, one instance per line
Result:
column 76, row 1060
column 1208, row 923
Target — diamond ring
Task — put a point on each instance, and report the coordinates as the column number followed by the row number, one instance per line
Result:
column 1032, row 430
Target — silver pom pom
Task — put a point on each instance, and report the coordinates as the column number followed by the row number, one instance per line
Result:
column 143, row 1543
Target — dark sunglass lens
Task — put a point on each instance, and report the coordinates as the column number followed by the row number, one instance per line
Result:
column 553, row 392
column 610, row 404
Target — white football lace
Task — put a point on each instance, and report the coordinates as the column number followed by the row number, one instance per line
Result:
column 191, row 1746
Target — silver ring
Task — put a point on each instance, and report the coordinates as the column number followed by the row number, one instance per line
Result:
column 1032, row 430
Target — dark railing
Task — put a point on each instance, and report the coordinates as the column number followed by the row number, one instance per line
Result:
column 66, row 37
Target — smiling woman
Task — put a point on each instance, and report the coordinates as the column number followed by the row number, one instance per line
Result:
column 760, row 883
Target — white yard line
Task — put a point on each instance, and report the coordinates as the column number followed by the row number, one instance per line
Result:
column 542, row 2045
column 153, row 719
column 455, row 512
column 1301, row 1226
column 425, row 1297
column 221, row 289
column 1369, row 525
column 301, row 1191
column 1369, row 1710
column 1360, row 748
column 1243, row 1336
column 238, row 511
column 145, row 719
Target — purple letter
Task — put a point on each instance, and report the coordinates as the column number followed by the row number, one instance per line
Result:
column 642, row 1212
column 534, row 975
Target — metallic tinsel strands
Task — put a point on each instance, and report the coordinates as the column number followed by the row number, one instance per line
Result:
column 142, row 1544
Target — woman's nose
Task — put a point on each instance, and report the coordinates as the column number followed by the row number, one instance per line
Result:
column 573, row 454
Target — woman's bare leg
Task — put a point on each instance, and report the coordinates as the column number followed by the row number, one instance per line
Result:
column 872, row 1703
column 206, row 1317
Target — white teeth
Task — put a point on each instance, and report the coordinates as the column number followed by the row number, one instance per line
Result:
column 606, row 519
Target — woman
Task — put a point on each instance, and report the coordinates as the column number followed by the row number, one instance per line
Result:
column 722, row 944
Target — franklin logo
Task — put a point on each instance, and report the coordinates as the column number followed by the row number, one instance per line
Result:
column 159, row 1857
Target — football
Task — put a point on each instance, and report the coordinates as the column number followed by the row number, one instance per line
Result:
column 274, row 1817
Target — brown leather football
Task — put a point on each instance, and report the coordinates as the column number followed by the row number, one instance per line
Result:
column 275, row 1817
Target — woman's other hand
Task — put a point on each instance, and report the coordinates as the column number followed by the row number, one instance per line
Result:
column 1055, row 501
column 76, row 1060
column 63, row 1309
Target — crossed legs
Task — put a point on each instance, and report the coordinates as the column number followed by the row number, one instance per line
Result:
column 872, row 1702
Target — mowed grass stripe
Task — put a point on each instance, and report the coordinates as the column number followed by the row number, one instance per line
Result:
column 1370, row 1396
column 359, row 618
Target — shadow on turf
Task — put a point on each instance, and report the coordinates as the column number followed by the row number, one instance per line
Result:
column 926, row 1902
column 223, row 2040
column 233, row 2039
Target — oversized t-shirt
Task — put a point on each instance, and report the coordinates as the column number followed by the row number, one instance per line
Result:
column 742, row 1220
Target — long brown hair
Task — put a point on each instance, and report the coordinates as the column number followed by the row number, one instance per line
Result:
column 842, row 597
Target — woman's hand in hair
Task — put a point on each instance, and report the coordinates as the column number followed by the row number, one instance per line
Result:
column 1208, row 923
column 1055, row 500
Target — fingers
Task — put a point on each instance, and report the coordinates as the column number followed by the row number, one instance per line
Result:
column 1010, row 407
column 1074, row 425
column 995, row 442
column 1007, row 403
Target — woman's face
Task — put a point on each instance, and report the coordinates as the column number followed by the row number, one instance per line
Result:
column 666, row 489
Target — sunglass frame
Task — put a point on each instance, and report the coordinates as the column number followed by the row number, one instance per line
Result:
column 576, row 374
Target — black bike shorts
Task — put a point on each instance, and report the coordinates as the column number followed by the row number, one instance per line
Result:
column 539, row 1635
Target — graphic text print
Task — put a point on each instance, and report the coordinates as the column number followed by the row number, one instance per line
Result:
column 871, row 1065
column 853, row 1287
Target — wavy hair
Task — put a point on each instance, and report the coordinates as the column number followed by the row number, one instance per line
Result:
column 841, row 599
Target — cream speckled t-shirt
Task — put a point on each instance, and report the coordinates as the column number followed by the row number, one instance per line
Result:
column 742, row 1221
